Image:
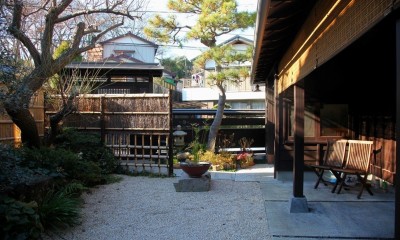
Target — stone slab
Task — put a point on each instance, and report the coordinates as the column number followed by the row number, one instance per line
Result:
column 188, row 184
column 298, row 205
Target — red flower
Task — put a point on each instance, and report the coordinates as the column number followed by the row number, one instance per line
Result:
column 242, row 156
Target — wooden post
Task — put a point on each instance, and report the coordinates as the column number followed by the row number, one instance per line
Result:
column 397, row 180
column 298, row 204
column 102, row 120
column 278, row 128
column 298, row 162
column 170, row 138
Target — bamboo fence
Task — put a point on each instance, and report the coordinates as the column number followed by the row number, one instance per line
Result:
column 137, row 127
column 10, row 133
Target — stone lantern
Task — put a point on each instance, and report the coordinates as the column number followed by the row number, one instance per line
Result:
column 179, row 136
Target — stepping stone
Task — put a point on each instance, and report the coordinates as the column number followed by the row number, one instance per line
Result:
column 188, row 184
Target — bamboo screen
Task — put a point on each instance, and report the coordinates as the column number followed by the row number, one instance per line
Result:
column 10, row 133
column 135, row 126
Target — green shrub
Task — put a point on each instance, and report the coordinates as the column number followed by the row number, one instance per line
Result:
column 19, row 220
column 49, row 158
column 89, row 146
column 67, row 163
column 14, row 172
column 61, row 208
column 52, row 179
column 85, row 171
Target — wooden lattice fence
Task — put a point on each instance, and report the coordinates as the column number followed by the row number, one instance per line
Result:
column 137, row 127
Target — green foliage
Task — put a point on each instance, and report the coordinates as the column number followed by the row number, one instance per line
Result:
column 180, row 66
column 54, row 202
column 227, row 106
column 61, row 208
column 86, row 171
column 14, row 171
column 66, row 163
column 215, row 18
column 90, row 148
column 63, row 48
column 49, row 158
column 198, row 145
column 19, row 220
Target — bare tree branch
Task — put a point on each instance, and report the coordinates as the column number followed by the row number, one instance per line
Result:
column 34, row 27
column 18, row 33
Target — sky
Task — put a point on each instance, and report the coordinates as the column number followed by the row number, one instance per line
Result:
column 194, row 48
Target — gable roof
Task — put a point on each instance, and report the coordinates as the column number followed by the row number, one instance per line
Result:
column 122, row 58
column 233, row 40
column 129, row 34
column 237, row 39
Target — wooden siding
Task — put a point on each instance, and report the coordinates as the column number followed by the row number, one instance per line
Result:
column 331, row 27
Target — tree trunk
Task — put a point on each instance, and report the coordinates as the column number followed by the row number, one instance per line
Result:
column 55, row 120
column 54, row 127
column 26, row 123
column 212, row 136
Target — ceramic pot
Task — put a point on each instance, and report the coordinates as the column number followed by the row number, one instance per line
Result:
column 195, row 170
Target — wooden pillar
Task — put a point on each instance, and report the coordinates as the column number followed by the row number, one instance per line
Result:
column 102, row 120
column 269, row 124
column 278, row 127
column 397, row 180
column 298, row 203
column 170, row 138
column 298, row 161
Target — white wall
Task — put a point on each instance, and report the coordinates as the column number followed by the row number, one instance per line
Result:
column 208, row 94
column 144, row 51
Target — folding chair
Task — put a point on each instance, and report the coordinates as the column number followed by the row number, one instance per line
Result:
column 333, row 158
column 357, row 163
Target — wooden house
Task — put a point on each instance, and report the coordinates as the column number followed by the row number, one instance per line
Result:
column 332, row 71
column 121, row 65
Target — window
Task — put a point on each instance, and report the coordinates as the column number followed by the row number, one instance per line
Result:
column 258, row 105
column 122, row 79
column 309, row 123
column 239, row 105
column 142, row 79
column 129, row 53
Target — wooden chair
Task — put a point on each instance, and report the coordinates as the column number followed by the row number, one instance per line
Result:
column 357, row 163
column 333, row 158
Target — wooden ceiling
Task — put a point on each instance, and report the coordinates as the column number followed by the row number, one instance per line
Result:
column 277, row 24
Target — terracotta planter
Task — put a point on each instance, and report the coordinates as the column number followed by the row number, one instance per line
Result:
column 195, row 170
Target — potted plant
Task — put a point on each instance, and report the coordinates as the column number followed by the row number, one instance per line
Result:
column 193, row 166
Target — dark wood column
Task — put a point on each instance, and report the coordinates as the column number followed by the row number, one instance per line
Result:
column 298, row 161
column 397, row 180
column 278, row 128
column 269, row 122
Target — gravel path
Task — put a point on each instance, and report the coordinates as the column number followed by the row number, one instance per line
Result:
column 150, row 208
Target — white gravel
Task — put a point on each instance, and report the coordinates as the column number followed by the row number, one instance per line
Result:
column 150, row 208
